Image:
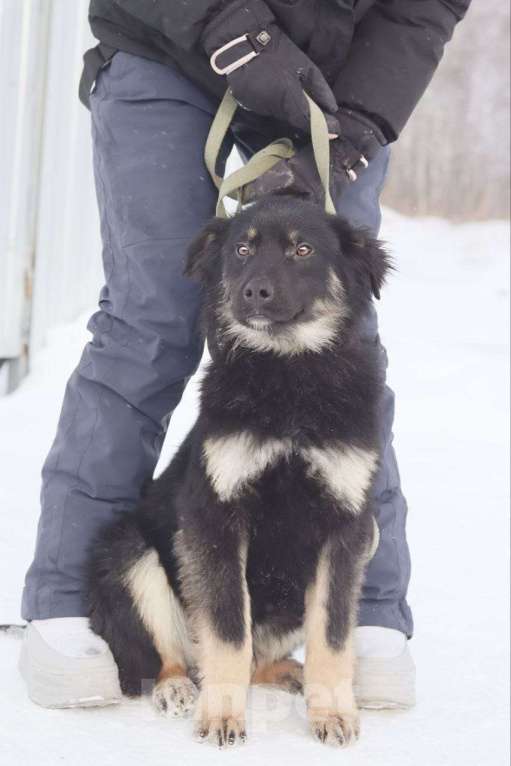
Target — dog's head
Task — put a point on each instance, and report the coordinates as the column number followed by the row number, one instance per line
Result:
column 283, row 276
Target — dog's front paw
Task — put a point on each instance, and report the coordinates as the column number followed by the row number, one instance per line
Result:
column 219, row 716
column 223, row 732
column 331, row 728
column 175, row 696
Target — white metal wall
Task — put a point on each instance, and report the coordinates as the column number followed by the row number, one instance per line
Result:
column 68, row 256
column 23, row 28
column 49, row 231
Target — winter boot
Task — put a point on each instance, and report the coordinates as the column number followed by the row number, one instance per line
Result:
column 65, row 665
column 385, row 670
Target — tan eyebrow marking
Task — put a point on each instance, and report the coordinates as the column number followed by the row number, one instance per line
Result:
column 294, row 237
column 252, row 232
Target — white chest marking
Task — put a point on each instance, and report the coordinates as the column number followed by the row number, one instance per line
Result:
column 346, row 471
column 234, row 460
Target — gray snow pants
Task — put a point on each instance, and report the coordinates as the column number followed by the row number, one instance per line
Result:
column 149, row 127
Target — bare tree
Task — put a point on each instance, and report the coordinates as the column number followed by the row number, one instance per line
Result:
column 452, row 159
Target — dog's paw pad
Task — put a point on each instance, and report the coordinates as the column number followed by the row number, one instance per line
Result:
column 175, row 697
column 223, row 732
column 336, row 729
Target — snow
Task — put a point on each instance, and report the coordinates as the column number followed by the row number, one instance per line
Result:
column 444, row 319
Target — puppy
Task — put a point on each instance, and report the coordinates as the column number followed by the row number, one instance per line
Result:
column 255, row 538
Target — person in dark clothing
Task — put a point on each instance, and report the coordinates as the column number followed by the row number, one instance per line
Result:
column 376, row 57
column 153, row 84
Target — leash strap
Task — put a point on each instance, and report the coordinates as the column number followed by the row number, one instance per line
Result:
column 266, row 158
column 259, row 163
column 321, row 148
column 217, row 133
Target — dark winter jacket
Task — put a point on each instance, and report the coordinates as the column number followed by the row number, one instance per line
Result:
column 377, row 55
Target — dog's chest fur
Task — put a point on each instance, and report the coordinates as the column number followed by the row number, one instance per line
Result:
column 311, row 398
column 284, row 450
column 291, row 444
column 289, row 521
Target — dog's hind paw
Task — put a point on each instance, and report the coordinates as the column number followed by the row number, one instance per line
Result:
column 336, row 729
column 287, row 674
column 175, row 696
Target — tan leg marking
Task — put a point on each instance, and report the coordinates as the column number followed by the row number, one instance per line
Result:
column 174, row 694
column 159, row 609
column 287, row 674
column 171, row 671
column 328, row 672
column 225, row 672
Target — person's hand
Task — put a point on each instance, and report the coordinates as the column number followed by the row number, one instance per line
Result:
column 275, row 72
column 350, row 154
column 358, row 142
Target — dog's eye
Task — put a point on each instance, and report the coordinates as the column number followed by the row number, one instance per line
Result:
column 242, row 250
column 303, row 250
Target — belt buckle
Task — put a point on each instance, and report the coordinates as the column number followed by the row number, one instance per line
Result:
column 235, row 64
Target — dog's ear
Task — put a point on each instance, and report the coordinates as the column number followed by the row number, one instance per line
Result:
column 367, row 253
column 372, row 255
column 204, row 251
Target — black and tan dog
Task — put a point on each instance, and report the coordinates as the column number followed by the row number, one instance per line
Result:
column 255, row 537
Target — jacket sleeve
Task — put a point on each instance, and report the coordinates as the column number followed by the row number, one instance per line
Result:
column 396, row 49
column 181, row 21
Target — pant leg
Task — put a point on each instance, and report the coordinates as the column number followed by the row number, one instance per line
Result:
column 384, row 593
column 154, row 193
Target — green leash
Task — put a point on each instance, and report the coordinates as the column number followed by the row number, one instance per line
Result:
column 266, row 158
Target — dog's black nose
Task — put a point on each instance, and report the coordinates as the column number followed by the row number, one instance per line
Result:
column 257, row 292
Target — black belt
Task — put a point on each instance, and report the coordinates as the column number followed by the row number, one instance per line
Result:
column 94, row 60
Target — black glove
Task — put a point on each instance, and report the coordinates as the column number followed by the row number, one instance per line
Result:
column 271, row 82
column 358, row 142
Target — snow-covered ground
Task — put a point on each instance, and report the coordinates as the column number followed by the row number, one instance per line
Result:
column 444, row 319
